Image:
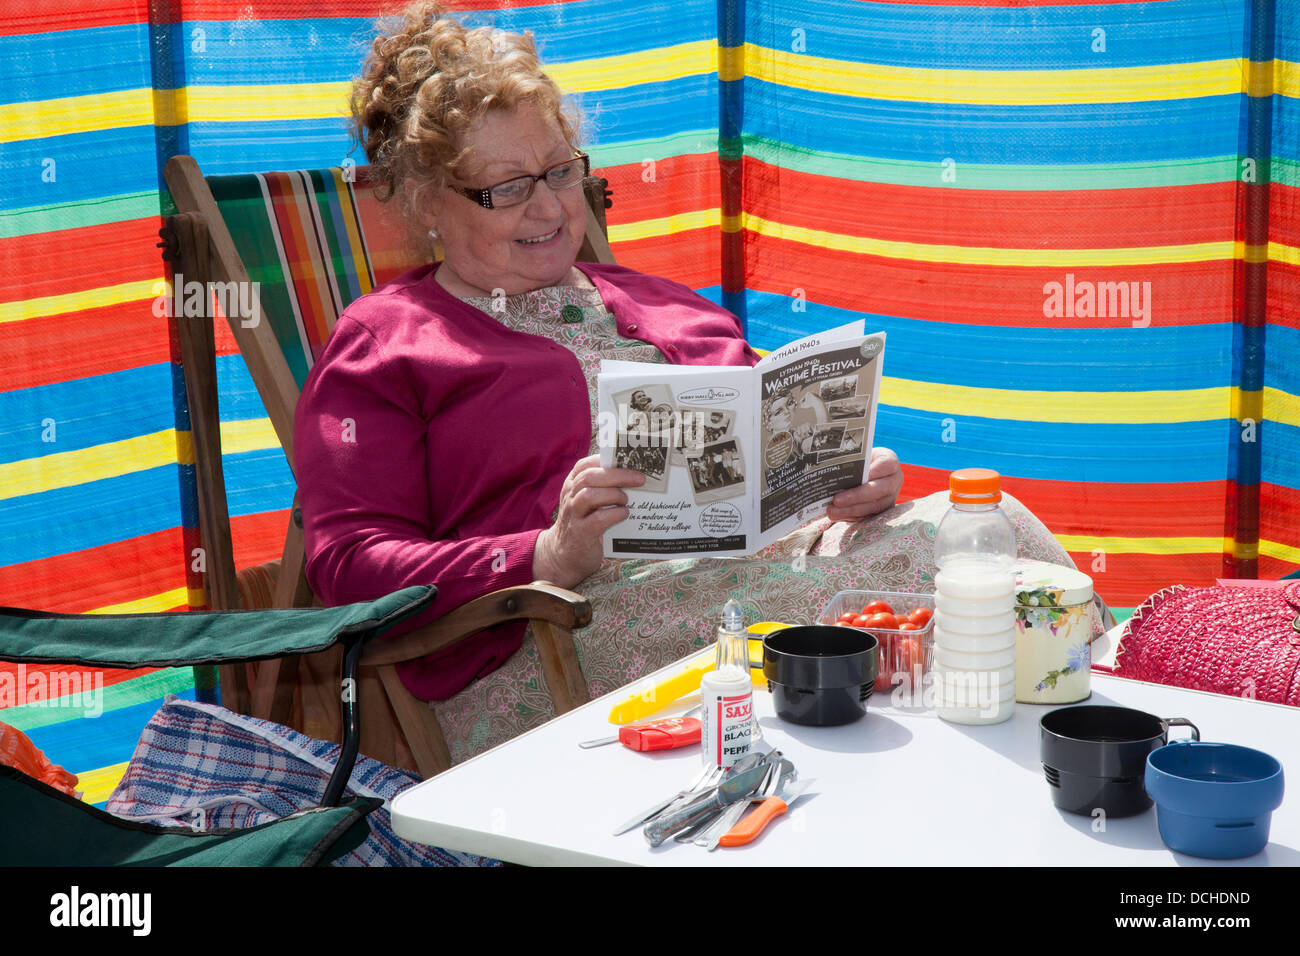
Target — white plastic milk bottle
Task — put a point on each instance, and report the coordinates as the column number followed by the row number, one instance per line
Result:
column 974, row 616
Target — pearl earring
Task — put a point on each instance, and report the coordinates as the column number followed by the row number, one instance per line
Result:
column 433, row 234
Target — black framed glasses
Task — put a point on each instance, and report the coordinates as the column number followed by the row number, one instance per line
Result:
column 512, row 192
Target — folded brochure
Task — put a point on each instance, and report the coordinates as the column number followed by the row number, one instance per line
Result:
column 734, row 457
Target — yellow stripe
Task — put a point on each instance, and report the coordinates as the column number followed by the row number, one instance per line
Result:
column 1018, row 87
column 1278, row 252
column 1127, row 408
column 696, row 58
column 1279, row 406
column 348, row 210
column 289, row 101
column 1286, row 78
column 254, row 434
column 96, row 786
column 196, row 597
column 732, row 223
column 22, row 309
column 990, row 256
column 277, row 101
column 1114, row 545
column 666, row 225
column 154, row 603
column 68, row 468
column 76, row 114
column 1283, row 552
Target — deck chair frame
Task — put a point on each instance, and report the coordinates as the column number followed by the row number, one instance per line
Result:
column 199, row 245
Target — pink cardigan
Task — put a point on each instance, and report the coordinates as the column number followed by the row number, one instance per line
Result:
column 431, row 442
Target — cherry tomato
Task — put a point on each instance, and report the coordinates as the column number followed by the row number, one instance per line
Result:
column 878, row 607
column 860, row 620
column 910, row 656
column 920, row 616
column 846, row 618
column 883, row 620
column 908, row 626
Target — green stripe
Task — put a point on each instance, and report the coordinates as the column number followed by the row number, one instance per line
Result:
column 988, row 176
column 661, row 148
column 73, row 215
column 128, row 693
column 1285, row 171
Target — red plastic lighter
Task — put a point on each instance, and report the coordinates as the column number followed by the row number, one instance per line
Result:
column 661, row 734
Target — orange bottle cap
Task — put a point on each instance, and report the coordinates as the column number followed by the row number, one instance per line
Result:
column 975, row 486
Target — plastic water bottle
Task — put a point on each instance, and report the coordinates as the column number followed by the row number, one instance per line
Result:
column 974, row 616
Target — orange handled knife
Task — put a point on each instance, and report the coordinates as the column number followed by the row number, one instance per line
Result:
column 748, row 829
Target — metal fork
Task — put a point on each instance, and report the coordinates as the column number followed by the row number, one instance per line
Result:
column 706, row 779
column 782, row 769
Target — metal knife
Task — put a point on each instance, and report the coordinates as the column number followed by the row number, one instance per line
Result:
column 729, row 791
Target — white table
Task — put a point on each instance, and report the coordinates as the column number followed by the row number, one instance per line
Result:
column 899, row 787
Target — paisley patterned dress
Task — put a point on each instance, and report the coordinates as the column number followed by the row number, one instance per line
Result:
column 648, row 613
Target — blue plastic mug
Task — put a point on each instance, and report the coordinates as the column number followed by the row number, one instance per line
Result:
column 1213, row 800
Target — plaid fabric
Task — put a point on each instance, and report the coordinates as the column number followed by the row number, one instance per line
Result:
column 203, row 766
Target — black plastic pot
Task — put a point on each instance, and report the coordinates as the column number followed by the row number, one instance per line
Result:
column 820, row 676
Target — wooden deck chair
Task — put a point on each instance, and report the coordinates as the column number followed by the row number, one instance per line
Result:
column 313, row 241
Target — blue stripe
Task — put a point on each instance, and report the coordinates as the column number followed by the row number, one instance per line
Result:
column 88, row 515
column 86, row 412
column 1053, row 135
column 86, row 743
column 47, row 66
column 1280, row 465
column 998, row 38
column 1013, row 357
column 84, row 166
column 1282, row 358
column 1192, row 451
column 257, row 482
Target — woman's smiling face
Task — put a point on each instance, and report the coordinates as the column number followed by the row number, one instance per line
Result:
column 519, row 248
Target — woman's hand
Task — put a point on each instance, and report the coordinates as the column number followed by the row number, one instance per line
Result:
column 591, row 502
column 884, row 481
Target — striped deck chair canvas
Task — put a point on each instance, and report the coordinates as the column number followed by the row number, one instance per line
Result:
column 313, row 241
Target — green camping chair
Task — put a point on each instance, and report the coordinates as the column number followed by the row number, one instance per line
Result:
column 43, row 827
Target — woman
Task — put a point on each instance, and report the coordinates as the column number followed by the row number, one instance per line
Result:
column 446, row 435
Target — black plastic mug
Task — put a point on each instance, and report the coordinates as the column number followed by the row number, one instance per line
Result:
column 1095, row 757
column 820, row 675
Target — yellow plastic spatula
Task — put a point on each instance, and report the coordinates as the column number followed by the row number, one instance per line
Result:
column 659, row 696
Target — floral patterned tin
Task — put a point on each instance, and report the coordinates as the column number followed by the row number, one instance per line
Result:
column 1054, row 632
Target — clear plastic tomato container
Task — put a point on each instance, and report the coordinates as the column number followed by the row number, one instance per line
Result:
column 905, row 656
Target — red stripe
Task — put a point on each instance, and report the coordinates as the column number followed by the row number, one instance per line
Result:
column 22, row 16
column 55, row 263
column 17, row 16
column 82, row 581
column 1284, row 294
column 680, row 184
column 1030, row 219
column 108, row 676
column 692, row 257
column 1181, row 294
column 1185, row 510
column 1128, row 579
column 81, row 345
column 258, row 537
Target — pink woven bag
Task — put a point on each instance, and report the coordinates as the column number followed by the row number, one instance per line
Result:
column 1231, row 640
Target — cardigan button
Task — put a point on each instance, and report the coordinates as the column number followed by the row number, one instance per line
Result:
column 632, row 327
column 672, row 348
